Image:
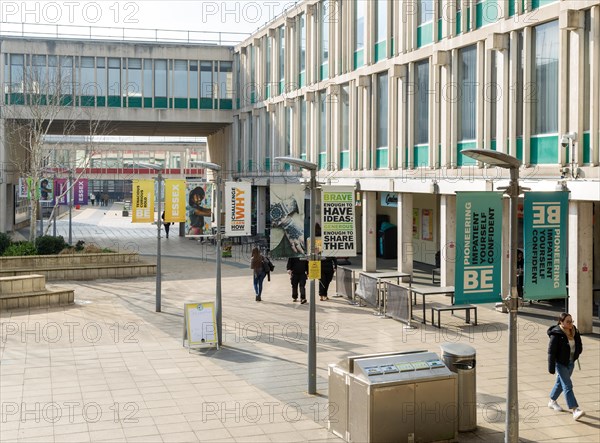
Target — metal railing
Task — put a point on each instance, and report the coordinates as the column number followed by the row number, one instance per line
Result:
column 78, row 32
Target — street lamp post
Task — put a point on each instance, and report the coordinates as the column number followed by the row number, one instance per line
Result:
column 218, row 301
column 70, row 193
column 312, row 330
column 511, row 163
column 158, row 246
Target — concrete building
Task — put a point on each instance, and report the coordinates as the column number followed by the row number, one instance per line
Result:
column 382, row 95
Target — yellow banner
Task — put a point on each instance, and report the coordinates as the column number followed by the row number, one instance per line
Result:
column 143, row 201
column 174, row 201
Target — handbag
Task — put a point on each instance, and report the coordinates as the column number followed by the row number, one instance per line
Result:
column 271, row 265
column 265, row 265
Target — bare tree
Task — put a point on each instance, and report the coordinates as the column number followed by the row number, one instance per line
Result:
column 39, row 120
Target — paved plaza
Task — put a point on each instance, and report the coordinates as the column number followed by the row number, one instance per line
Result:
column 109, row 368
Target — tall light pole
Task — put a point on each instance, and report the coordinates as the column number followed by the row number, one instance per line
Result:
column 159, row 181
column 511, row 163
column 218, row 302
column 312, row 330
column 70, row 193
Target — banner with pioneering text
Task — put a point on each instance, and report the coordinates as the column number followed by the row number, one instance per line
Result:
column 479, row 253
column 199, row 204
column 143, row 201
column 238, row 197
column 174, row 201
column 545, row 234
column 338, row 221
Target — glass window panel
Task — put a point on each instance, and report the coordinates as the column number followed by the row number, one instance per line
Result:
column 323, row 122
column 134, row 77
column 422, row 103
column 382, row 111
column 147, row 78
column 194, row 79
column 345, row 130
column 425, row 12
column 66, row 74
column 282, row 53
column 587, row 34
column 288, row 130
column 302, row 127
column 206, row 81
column 101, row 75
column 225, row 80
column 492, row 94
column 160, row 78
column 268, row 45
column 88, row 81
column 180, row 84
column 324, row 22
column 382, row 17
column 467, row 104
column 302, row 42
column 114, row 76
column 359, row 25
column 545, row 93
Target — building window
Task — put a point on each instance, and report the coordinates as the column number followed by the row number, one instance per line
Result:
column 206, row 81
column 492, row 93
column 382, row 18
column 322, row 128
column 359, row 31
column 281, row 54
column 345, row 126
column 114, row 76
column 545, row 91
column 288, row 130
column 467, row 90
column 88, row 81
column 180, row 84
column 302, row 128
column 225, row 80
column 324, row 23
column 422, row 103
column 194, row 81
column 382, row 121
column 160, row 78
column 302, row 44
column 425, row 12
column 268, row 49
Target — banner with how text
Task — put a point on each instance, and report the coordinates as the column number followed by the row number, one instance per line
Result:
column 545, row 233
column 143, row 201
column 174, row 201
column 238, row 197
column 479, row 252
column 338, row 221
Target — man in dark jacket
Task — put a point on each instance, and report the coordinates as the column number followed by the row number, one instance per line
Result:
column 298, row 271
column 564, row 349
column 328, row 267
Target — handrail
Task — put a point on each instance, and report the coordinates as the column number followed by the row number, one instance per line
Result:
column 104, row 33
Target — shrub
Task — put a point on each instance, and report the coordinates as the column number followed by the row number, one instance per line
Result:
column 48, row 245
column 80, row 246
column 5, row 242
column 20, row 248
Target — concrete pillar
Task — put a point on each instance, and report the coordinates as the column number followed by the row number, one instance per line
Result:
column 505, row 282
column 447, row 239
column 596, row 240
column 4, row 208
column 405, row 234
column 261, row 209
column 581, row 258
column 369, row 231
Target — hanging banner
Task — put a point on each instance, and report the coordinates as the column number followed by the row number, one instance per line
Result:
column 199, row 198
column 545, row 234
column 174, row 201
column 478, row 253
column 287, row 221
column 80, row 192
column 46, row 190
column 143, row 201
column 238, row 197
column 23, row 188
column 60, row 191
column 338, row 227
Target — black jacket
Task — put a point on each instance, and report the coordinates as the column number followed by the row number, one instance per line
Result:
column 297, row 266
column 559, row 349
column 328, row 265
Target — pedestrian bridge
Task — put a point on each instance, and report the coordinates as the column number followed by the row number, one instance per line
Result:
column 134, row 88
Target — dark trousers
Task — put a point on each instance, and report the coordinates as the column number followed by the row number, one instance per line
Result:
column 298, row 281
column 324, row 282
column 167, row 226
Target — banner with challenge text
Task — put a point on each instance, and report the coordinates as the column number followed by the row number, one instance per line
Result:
column 479, row 252
column 545, row 232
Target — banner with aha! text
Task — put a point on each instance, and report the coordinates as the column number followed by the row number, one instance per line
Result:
column 338, row 229
column 143, row 201
column 174, row 201
column 478, row 247
column 237, row 208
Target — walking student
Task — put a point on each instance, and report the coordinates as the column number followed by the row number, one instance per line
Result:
column 167, row 225
column 328, row 267
column 298, row 271
column 256, row 263
column 563, row 351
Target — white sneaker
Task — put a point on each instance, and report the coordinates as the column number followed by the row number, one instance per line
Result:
column 553, row 405
column 577, row 414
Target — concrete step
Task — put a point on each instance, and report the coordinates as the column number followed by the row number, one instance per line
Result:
column 37, row 299
column 86, row 272
column 22, row 284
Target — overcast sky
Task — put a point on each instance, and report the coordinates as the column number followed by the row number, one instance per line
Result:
column 244, row 16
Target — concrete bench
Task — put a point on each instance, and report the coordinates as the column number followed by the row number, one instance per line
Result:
column 29, row 291
column 440, row 309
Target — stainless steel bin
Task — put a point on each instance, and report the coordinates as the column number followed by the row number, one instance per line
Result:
column 399, row 397
column 460, row 359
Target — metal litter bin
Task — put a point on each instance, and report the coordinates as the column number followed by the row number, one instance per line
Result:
column 460, row 359
column 394, row 397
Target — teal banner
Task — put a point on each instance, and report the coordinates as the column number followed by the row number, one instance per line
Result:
column 478, row 247
column 545, row 231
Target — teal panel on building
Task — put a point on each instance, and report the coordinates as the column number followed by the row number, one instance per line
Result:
column 543, row 150
column 206, row 103
column 381, row 158
column 281, row 87
column 239, row 166
column 267, row 90
column 250, row 165
column 88, row 100
column 302, row 79
column 425, row 34
column 267, row 164
column 359, row 58
column 134, row 102
column 439, row 29
column 587, row 148
column 181, row 103
column 114, row 101
column 101, row 102
column 421, row 155
column 493, row 145
column 458, row 23
column 345, row 160
column 463, row 160
column 541, row 3
column 225, row 103
column 380, row 51
column 147, row 102
column 322, row 160
column 160, row 102
column 324, row 71
column 487, row 12
column 66, row 100
column 193, row 103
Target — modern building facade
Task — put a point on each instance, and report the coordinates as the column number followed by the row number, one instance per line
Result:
column 380, row 94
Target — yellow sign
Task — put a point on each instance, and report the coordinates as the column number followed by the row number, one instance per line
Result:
column 143, row 201
column 314, row 269
column 174, row 201
column 199, row 323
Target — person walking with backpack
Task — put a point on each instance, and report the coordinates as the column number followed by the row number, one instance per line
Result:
column 258, row 267
column 564, row 349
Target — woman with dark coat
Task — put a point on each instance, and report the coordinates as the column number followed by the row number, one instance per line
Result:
column 564, row 349
column 328, row 267
column 256, row 263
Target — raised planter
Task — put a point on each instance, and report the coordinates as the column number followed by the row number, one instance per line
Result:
column 78, row 266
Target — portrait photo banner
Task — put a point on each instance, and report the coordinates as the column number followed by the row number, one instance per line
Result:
column 338, row 226
column 287, row 220
column 238, row 197
column 174, row 201
column 198, row 210
column 545, row 235
column 143, row 201
column 479, row 247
